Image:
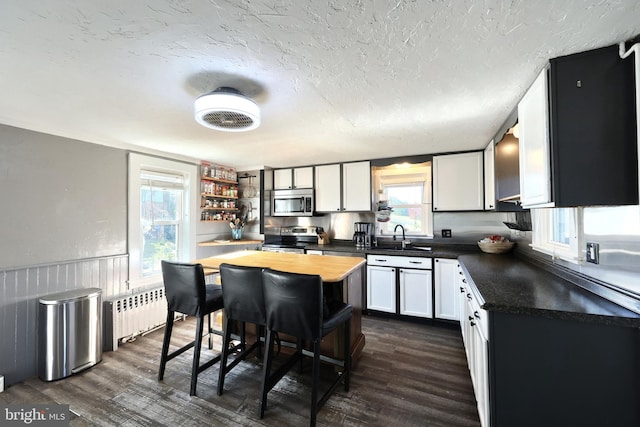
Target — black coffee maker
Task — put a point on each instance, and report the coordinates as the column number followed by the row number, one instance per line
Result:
column 362, row 234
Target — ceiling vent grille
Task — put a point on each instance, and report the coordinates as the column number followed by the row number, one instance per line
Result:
column 227, row 109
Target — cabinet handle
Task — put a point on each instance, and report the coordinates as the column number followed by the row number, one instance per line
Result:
column 380, row 260
column 415, row 262
column 464, row 280
column 460, row 272
column 461, row 290
column 476, row 315
column 472, row 323
column 469, row 296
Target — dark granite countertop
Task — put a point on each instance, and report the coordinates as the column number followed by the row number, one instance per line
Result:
column 507, row 283
column 438, row 250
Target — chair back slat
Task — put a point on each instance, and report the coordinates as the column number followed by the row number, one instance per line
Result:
column 184, row 287
column 242, row 293
column 293, row 303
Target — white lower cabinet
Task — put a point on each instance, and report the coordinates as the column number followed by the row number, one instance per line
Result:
column 415, row 292
column 400, row 285
column 446, row 289
column 381, row 288
column 474, row 324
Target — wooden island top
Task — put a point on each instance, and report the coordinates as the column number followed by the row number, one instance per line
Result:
column 330, row 268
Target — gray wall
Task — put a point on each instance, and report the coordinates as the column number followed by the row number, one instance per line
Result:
column 62, row 199
column 64, row 226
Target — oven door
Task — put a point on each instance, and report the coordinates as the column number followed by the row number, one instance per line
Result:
column 282, row 249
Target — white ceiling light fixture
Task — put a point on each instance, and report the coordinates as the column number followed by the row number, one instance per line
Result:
column 227, row 109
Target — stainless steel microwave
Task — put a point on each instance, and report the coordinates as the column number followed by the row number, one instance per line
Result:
column 292, row 202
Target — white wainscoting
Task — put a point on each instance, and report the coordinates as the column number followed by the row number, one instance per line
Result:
column 19, row 294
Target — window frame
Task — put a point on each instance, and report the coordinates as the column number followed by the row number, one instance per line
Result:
column 187, row 240
column 407, row 175
column 544, row 221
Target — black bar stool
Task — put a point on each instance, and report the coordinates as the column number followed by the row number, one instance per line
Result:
column 188, row 294
column 294, row 306
column 243, row 302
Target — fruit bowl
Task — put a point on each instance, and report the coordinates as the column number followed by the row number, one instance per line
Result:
column 495, row 245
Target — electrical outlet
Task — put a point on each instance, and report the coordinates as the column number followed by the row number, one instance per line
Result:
column 446, row 232
column 593, row 253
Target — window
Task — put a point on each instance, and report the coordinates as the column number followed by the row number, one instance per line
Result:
column 407, row 189
column 161, row 219
column 558, row 232
column 162, row 216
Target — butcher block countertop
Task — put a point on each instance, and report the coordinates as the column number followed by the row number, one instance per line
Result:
column 230, row 242
column 330, row 268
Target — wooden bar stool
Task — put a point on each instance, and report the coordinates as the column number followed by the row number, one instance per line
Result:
column 188, row 294
column 294, row 306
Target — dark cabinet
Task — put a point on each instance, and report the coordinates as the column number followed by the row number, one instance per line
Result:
column 586, row 104
column 562, row 372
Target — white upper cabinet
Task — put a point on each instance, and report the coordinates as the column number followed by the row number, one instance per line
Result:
column 458, row 182
column 345, row 187
column 285, row 179
column 356, row 186
column 535, row 165
column 489, row 177
column 328, row 188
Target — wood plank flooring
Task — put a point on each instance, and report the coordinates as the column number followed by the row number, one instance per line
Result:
column 408, row 375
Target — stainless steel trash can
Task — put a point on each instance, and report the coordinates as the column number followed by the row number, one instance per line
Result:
column 69, row 332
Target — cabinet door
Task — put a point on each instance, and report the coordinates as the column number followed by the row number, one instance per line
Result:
column 535, row 164
column 481, row 367
column 282, row 179
column 303, row 177
column 415, row 293
column 381, row 288
column 458, row 182
column 447, row 289
column 328, row 188
column 356, row 186
column 507, row 170
column 489, row 178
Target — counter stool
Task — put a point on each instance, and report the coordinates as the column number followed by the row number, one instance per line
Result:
column 188, row 294
column 294, row 306
column 243, row 302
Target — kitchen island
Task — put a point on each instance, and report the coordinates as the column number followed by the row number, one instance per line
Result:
column 342, row 278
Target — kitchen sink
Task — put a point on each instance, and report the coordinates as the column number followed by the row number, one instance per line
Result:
column 400, row 249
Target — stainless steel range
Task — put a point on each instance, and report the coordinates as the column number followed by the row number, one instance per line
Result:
column 292, row 239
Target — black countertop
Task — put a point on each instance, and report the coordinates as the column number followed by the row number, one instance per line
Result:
column 509, row 284
column 451, row 251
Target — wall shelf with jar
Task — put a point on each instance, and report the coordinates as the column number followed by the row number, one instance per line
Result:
column 218, row 193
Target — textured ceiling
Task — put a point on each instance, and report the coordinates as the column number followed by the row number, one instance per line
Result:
column 335, row 80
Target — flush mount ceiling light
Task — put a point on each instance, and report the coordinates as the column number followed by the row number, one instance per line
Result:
column 228, row 110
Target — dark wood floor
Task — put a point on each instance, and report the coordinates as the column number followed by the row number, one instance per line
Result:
column 408, row 375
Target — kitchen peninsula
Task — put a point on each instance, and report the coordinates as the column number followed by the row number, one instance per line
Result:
column 342, row 278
